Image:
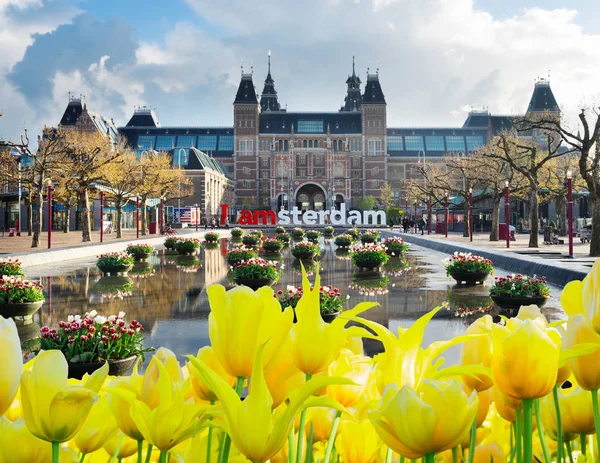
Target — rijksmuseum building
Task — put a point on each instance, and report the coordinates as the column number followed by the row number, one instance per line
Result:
column 276, row 158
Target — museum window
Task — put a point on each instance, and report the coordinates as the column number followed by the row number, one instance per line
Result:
column 434, row 143
column 394, row 143
column 374, row 147
column 414, row 143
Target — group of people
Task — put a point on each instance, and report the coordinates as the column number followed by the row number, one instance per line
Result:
column 214, row 223
column 411, row 225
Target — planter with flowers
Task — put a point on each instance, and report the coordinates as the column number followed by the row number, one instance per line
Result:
column 187, row 246
column 279, row 230
column 513, row 291
column 369, row 256
column 237, row 232
column 272, row 246
column 211, row 237
column 171, row 242
column 343, row 241
column 283, row 237
column 256, row 233
column 354, row 233
column 114, row 263
column 88, row 342
column 331, row 300
column 297, row 234
column 188, row 264
column 19, row 297
column 467, row 305
column 139, row 251
column 369, row 237
column 251, row 240
column 467, row 268
column 305, row 250
column 313, row 235
column 10, row 268
column 396, row 246
column 142, row 270
column 240, row 254
column 375, row 285
column 328, row 231
column 115, row 287
column 255, row 273
column 395, row 267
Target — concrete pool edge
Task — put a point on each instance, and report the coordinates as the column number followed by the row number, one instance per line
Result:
column 51, row 256
column 526, row 265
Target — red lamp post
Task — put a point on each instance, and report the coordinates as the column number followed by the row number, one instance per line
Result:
column 197, row 216
column 161, row 216
column 137, row 217
column 446, row 213
column 102, row 216
column 470, row 214
column 428, row 215
column 50, row 190
column 507, row 213
column 570, row 211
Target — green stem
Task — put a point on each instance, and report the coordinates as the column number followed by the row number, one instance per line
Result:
column 429, row 458
column 55, row 451
column 513, row 447
column 519, row 435
column 402, row 459
column 148, row 453
column 81, row 458
column 454, row 454
column 221, row 443
column 472, row 441
column 527, row 430
column 596, row 418
column 210, row 435
column 559, row 440
column 569, row 452
column 291, row 457
column 239, row 387
column 541, row 434
column 331, row 441
column 140, row 450
column 309, row 445
column 583, row 440
column 301, row 429
column 388, row 456
column 163, row 457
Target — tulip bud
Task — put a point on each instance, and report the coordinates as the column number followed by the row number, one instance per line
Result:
column 12, row 362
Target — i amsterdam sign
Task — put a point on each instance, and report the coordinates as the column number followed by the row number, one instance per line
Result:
column 299, row 217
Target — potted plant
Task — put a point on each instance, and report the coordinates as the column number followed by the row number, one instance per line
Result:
column 313, row 235
column 211, row 237
column 305, row 250
column 467, row 268
column 369, row 237
column 115, row 287
column 251, row 240
column 513, row 291
column 187, row 246
column 343, row 241
column 375, row 285
column 331, row 300
column 354, row 233
column 10, row 268
column 283, row 237
column 140, row 251
column 297, row 234
column 115, row 262
column 171, row 242
column 279, row 230
column 395, row 267
column 188, row 264
column 19, row 297
column 237, row 232
column 256, row 233
column 240, row 254
column 328, row 231
column 89, row 341
column 255, row 273
column 369, row 256
column 395, row 246
column 343, row 254
column 272, row 246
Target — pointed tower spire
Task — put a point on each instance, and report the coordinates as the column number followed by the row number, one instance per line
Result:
column 542, row 98
column 353, row 98
column 268, row 99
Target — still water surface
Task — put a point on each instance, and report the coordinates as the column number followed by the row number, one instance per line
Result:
column 167, row 294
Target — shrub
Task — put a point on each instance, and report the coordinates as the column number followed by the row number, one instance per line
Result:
column 313, row 235
column 250, row 240
column 239, row 254
column 237, row 232
column 10, row 267
column 304, row 247
column 188, row 245
column 279, row 230
column 112, row 259
column 15, row 290
column 272, row 245
column 368, row 255
column 331, row 299
column 211, row 237
column 283, row 237
column 520, row 286
column 329, row 231
column 343, row 240
column 462, row 262
column 255, row 268
column 395, row 246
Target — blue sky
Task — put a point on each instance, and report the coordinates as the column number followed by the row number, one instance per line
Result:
column 437, row 58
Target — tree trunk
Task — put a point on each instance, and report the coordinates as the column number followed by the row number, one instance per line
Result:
column 466, row 220
column 37, row 220
column 143, row 216
column 86, row 230
column 595, row 241
column 67, row 226
column 29, row 216
column 119, row 216
column 561, row 211
column 534, row 218
column 495, row 218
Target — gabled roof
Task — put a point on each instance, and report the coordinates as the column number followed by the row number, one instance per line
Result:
column 373, row 92
column 246, row 93
column 77, row 107
column 143, row 117
column 542, row 98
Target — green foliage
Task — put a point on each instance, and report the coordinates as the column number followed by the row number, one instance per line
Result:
column 393, row 214
column 520, row 286
column 367, row 203
column 239, row 254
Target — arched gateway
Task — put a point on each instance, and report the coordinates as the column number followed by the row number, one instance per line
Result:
column 310, row 196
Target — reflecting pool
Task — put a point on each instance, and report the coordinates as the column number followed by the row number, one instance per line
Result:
column 167, row 294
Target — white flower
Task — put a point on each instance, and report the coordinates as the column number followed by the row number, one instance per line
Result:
column 112, row 318
column 326, row 289
column 121, row 315
column 99, row 319
column 92, row 314
column 70, row 318
column 347, row 296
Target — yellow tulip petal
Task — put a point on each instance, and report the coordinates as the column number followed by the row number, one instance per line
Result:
column 571, row 298
column 68, row 410
column 12, row 362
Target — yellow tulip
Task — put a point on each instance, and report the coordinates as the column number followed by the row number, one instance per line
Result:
column 255, row 430
column 590, row 296
column 18, row 445
column 96, row 429
column 484, row 406
column 149, row 393
column 283, row 378
column 576, row 413
column 531, row 312
column 314, row 343
column 240, row 321
column 505, row 406
column 118, row 445
column 445, row 415
column 121, row 407
column 321, row 419
column 525, row 358
column 12, row 362
column 55, row 410
column 478, row 351
column 207, row 355
column 173, row 420
column 585, row 368
column 489, row 453
column 357, row 442
column 356, row 368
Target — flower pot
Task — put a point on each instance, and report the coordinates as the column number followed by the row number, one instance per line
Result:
column 510, row 302
column 469, row 278
column 211, row 240
column 329, row 317
column 114, row 269
column 23, row 309
column 255, row 283
column 115, row 367
column 186, row 252
column 303, row 255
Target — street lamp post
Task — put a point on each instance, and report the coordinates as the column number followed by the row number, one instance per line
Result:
column 137, row 217
column 19, row 216
column 197, row 206
column 470, row 214
column 446, row 213
column 570, row 211
column 507, row 213
column 102, row 216
column 406, row 209
column 50, row 190
column 415, row 218
column 428, row 215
